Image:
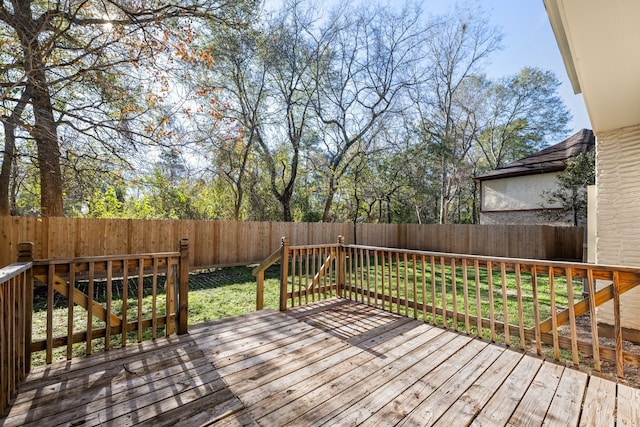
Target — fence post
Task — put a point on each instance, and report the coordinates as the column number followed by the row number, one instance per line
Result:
column 284, row 273
column 25, row 254
column 341, row 273
column 183, row 290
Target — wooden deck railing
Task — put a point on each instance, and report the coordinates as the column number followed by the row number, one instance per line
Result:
column 103, row 302
column 15, row 328
column 533, row 305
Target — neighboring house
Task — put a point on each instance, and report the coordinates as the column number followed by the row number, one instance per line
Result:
column 513, row 194
column 598, row 41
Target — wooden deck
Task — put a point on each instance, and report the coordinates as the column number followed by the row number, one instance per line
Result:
column 329, row 363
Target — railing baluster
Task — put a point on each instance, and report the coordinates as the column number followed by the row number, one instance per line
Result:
column 90, row 286
column 406, row 284
column 415, row 287
column 594, row 320
column 356, row 268
column 617, row 325
column 554, row 314
column 423, row 262
column 140, row 295
column 375, row 283
column 72, row 286
column 390, row 261
column 382, row 277
column 109, row 299
column 476, row 268
column 306, row 276
column 397, row 282
column 492, row 319
column 465, row 286
column 536, row 309
column 154, row 296
column 572, row 317
column 50, row 279
column 315, row 256
column 125, row 297
column 523, row 343
column 352, row 279
column 454, row 293
column 317, row 265
column 443, row 286
column 171, row 300
column 368, row 256
column 505, row 303
column 433, row 290
column 362, row 277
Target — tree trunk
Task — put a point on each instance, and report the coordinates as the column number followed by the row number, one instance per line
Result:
column 10, row 124
column 45, row 133
column 286, row 208
column 329, row 201
column 7, row 162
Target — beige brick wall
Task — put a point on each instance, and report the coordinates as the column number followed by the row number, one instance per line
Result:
column 618, row 212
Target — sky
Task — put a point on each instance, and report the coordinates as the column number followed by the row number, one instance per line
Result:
column 528, row 40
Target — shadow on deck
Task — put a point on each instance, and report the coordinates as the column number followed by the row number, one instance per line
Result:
column 333, row 362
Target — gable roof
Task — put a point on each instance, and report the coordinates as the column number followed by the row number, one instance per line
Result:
column 551, row 159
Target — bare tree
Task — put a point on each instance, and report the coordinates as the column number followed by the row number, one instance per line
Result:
column 458, row 46
column 371, row 56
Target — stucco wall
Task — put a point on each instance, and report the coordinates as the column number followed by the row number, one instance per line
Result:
column 618, row 212
column 521, row 217
column 517, row 193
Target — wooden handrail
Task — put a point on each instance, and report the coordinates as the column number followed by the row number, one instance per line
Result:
column 258, row 272
column 273, row 258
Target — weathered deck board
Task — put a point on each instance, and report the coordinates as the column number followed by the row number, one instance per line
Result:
column 599, row 407
column 333, row 362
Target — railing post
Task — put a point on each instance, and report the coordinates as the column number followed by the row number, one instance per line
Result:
column 260, row 290
column 25, row 254
column 183, row 290
column 341, row 273
column 284, row 273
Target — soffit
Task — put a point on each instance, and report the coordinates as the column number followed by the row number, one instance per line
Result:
column 600, row 44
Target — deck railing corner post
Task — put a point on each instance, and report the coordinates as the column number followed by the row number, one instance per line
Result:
column 25, row 252
column 183, row 290
column 284, row 273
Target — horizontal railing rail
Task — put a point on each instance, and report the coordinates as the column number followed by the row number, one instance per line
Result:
column 534, row 305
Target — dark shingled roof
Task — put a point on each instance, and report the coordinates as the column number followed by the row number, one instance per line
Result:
column 551, row 159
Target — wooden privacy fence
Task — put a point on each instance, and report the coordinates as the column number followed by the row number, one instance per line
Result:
column 531, row 304
column 216, row 243
column 89, row 304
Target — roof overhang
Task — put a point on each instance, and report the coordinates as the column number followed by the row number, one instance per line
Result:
column 599, row 42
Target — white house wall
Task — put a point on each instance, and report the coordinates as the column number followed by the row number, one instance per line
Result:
column 618, row 212
column 517, row 193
